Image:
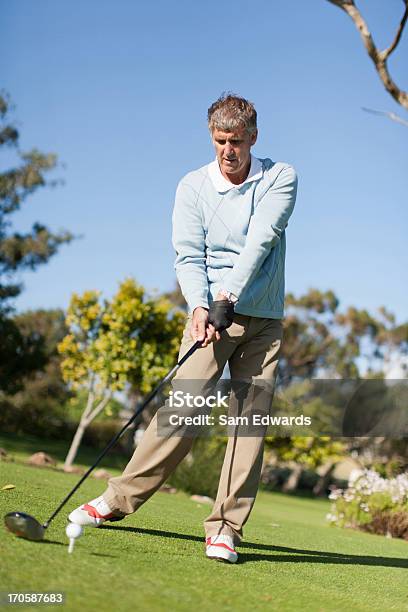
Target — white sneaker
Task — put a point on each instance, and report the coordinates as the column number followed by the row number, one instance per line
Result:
column 93, row 514
column 221, row 547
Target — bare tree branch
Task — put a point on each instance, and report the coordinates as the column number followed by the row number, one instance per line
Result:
column 390, row 115
column 379, row 58
column 387, row 52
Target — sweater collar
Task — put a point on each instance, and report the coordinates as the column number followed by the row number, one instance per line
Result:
column 222, row 184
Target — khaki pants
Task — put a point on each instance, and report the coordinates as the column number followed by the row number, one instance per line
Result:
column 251, row 346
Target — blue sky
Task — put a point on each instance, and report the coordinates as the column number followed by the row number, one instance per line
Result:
column 119, row 90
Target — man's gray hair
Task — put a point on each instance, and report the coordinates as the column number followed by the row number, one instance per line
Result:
column 231, row 112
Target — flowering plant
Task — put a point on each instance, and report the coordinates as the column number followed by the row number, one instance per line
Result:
column 372, row 503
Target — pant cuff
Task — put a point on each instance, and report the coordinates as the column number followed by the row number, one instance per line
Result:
column 110, row 501
column 224, row 531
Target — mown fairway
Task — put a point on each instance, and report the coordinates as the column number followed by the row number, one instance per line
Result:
column 154, row 560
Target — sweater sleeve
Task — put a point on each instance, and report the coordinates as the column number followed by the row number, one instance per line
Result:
column 189, row 242
column 265, row 229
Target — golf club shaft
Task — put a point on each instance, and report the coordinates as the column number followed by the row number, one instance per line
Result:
column 147, row 400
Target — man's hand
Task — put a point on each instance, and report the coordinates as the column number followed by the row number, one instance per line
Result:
column 221, row 314
column 202, row 330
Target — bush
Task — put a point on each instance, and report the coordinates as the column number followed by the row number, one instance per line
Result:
column 372, row 503
column 100, row 433
column 35, row 410
column 273, row 477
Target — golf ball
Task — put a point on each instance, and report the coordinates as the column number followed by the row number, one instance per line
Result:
column 73, row 530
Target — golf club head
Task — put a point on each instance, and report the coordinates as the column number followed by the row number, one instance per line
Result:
column 24, row 526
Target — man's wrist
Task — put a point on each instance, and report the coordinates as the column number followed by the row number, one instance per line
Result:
column 201, row 307
column 228, row 296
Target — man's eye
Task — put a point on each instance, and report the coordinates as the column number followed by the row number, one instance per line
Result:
column 221, row 142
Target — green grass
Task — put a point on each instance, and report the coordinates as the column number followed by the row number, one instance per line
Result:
column 21, row 447
column 153, row 560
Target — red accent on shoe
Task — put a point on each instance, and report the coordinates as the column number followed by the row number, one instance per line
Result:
column 220, row 544
column 95, row 514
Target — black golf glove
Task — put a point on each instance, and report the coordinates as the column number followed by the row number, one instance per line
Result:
column 220, row 314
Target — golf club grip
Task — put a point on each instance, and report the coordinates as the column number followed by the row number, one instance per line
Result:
column 107, row 448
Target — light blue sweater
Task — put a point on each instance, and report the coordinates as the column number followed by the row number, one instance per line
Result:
column 233, row 237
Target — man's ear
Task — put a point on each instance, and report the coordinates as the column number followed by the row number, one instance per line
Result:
column 254, row 136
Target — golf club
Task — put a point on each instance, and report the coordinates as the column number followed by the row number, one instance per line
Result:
column 26, row 526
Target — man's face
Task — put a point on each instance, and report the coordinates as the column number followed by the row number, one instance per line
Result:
column 233, row 152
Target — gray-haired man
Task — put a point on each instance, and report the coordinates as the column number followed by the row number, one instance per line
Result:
column 229, row 225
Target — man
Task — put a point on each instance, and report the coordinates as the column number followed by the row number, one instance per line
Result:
column 229, row 225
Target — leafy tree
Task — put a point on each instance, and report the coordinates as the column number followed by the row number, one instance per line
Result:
column 33, row 397
column 321, row 339
column 19, row 355
column 308, row 449
column 131, row 340
column 308, row 338
column 307, row 452
column 20, row 251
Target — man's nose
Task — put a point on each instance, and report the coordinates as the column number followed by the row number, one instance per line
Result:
column 229, row 150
